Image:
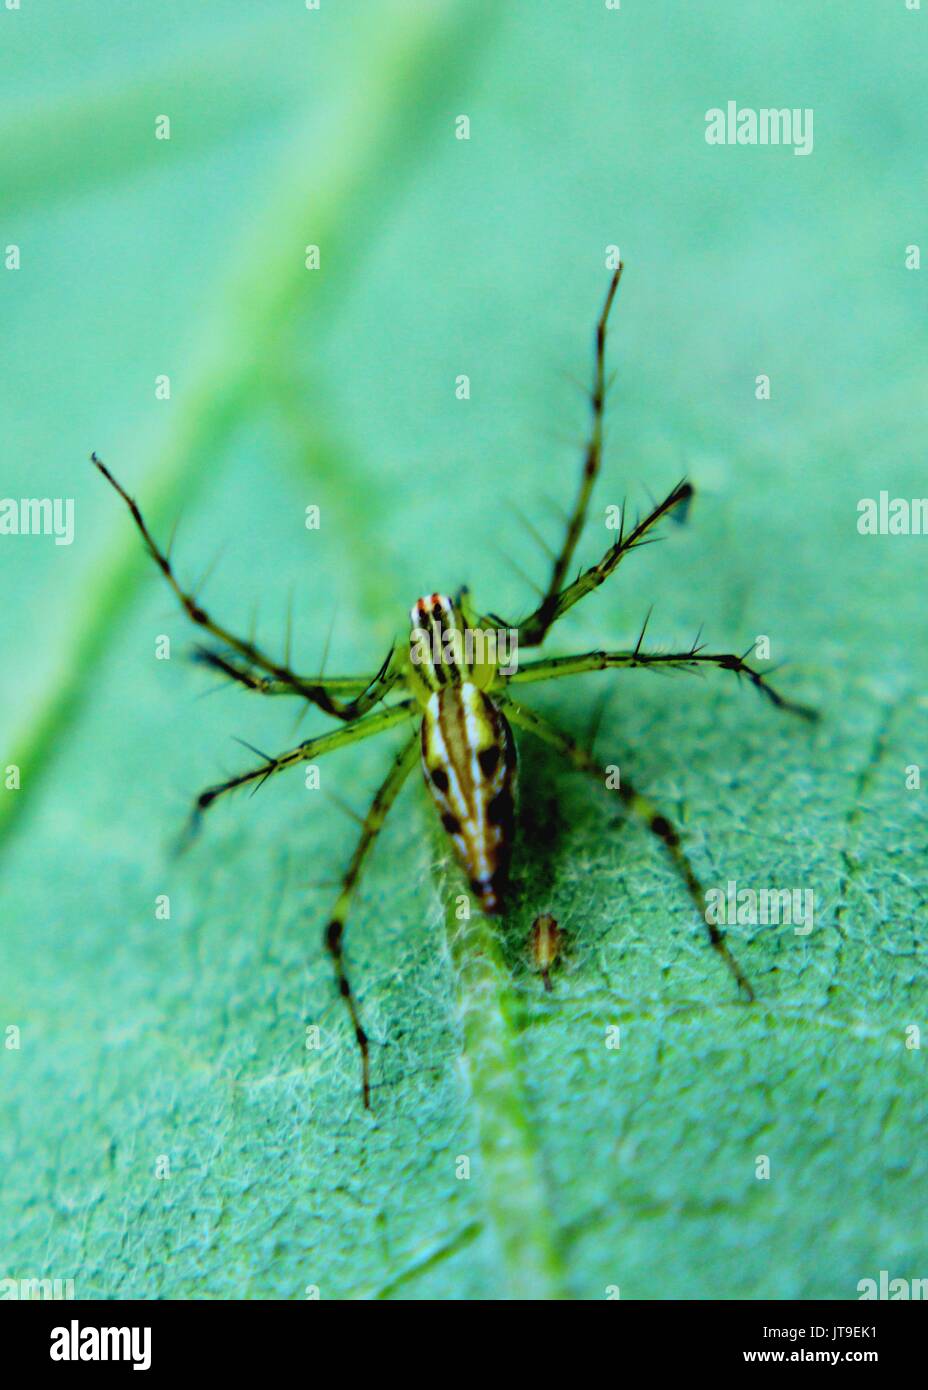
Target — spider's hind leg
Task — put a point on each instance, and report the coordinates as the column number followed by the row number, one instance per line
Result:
column 373, row 822
column 644, row 810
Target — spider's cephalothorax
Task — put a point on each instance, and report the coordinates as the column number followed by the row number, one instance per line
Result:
column 468, row 752
column 452, row 682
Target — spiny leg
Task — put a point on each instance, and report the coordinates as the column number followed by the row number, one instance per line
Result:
column 304, row 752
column 533, row 629
column 366, row 691
column 675, row 661
column 531, row 634
column 243, row 675
column 315, row 691
column 640, row 806
column 373, row 821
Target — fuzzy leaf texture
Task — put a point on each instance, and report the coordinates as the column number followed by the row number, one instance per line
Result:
column 166, row 1131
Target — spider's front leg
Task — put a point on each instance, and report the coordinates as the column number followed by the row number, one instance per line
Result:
column 532, row 631
column 317, row 690
column 644, row 810
column 558, row 597
column 677, row 500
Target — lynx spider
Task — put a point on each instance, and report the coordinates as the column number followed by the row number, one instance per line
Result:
column 463, row 712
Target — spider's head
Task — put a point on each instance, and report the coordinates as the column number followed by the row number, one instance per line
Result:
column 447, row 646
column 436, row 641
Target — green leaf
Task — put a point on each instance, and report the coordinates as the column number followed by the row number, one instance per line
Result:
column 165, row 1129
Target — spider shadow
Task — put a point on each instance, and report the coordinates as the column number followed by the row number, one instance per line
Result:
column 547, row 789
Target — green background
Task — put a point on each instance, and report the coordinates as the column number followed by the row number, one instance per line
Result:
column 589, row 1167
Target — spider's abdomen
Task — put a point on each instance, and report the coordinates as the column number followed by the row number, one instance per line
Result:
column 469, row 762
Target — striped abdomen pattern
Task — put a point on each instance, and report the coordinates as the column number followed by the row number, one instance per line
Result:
column 469, row 762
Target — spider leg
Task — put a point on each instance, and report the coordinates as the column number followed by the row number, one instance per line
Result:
column 242, row 674
column 373, row 822
column 304, row 752
column 641, row 807
column 366, row 691
column 314, row 691
column 675, row 661
column 533, row 629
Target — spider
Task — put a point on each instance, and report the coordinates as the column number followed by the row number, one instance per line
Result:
column 459, row 698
